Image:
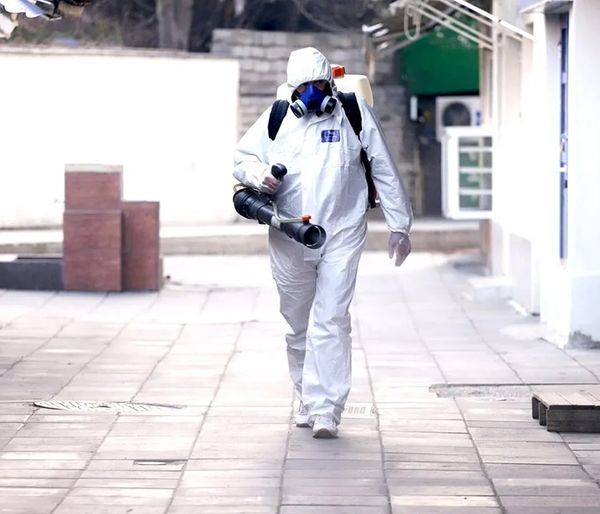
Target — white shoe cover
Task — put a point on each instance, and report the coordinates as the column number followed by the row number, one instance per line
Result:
column 324, row 427
column 302, row 418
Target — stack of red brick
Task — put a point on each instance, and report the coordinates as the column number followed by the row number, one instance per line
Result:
column 109, row 244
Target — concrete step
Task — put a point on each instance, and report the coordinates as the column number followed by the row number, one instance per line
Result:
column 248, row 237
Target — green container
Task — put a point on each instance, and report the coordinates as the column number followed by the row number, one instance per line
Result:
column 440, row 63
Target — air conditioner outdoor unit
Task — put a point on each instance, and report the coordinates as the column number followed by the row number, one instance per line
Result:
column 456, row 111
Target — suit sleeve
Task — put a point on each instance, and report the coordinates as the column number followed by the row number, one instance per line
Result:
column 393, row 197
column 250, row 157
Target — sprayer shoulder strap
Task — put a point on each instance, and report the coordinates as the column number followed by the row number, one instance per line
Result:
column 278, row 112
column 350, row 105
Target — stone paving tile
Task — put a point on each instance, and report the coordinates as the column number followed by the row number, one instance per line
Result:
column 150, row 332
column 399, row 426
column 129, row 482
column 128, row 474
column 45, row 455
column 339, row 473
column 438, row 458
column 83, row 330
column 45, row 419
column 445, row 510
column 240, row 502
column 227, row 492
column 408, row 439
column 46, row 474
column 317, row 490
column 578, row 447
column 436, row 475
column 214, row 450
column 145, row 444
column 546, row 487
column 129, row 465
column 108, row 509
column 248, row 427
column 550, row 503
column 225, row 509
column 525, row 433
column 31, row 499
column 234, row 463
column 439, row 488
column 170, row 427
column 542, row 471
column 7, row 430
column 348, row 500
column 588, row 457
column 28, row 444
column 323, row 509
column 27, row 507
column 36, row 482
column 198, row 479
column 541, row 459
column 417, row 502
column 8, row 466
column 79, row 502
column 523, row 447
column 551, row 510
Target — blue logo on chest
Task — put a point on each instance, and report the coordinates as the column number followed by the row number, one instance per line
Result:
column 330, row 136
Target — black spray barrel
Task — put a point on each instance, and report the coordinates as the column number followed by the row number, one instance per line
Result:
column 257, row 206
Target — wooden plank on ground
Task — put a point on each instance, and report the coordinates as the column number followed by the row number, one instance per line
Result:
column 573, row 411
column 573, row 420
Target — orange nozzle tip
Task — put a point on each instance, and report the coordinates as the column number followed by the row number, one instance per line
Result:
column 306, row 218
column 338, row 71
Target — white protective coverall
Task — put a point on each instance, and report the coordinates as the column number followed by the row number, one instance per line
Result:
column 22, row 6
column 326, row 180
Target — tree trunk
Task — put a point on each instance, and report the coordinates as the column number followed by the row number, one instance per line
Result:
column 174, row 23
column 239, row 7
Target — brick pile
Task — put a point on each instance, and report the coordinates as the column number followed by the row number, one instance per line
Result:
column 109, row 244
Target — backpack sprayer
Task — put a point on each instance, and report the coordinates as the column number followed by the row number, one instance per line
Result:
column 254, row 205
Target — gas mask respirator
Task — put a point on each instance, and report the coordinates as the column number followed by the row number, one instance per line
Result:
column 313, row 99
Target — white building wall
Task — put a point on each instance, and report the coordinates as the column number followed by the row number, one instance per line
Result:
column 169, row 118
column 584, row 170
column 545, row 78
column 514, row 221
column 526, row 218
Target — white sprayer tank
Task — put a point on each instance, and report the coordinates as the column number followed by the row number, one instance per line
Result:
column 352, row 83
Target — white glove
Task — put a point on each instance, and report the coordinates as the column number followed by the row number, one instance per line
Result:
column 270, row 184
column 399, row 244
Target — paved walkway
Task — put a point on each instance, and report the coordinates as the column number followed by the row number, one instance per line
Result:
column 211, row 343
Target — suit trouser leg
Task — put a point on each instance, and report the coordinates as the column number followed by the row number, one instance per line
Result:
column 296, row 284
column 327, row 374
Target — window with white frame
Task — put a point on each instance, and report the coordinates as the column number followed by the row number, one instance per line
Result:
column 467, row 172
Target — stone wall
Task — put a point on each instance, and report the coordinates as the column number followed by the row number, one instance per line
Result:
column 263, row 60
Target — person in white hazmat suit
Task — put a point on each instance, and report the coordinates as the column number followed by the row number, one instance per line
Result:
column 325, row 179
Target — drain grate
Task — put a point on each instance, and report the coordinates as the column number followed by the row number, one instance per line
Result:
column 360, row 410
column 121, row 407
column 498, row 391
